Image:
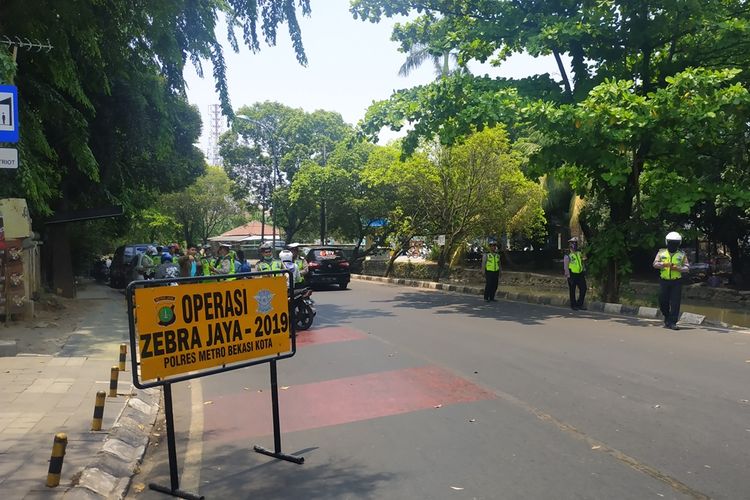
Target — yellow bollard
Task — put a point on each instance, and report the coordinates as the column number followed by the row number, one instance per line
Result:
column 114, row 375
column 96, row 423
column 56, row 461
column 123, row 355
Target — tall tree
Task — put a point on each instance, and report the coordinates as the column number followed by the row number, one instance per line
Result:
column 265, row 149
column 621, row 48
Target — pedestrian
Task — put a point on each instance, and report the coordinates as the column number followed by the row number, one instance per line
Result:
column 575, row 273
column 301, row 264
column 671, row 263
column 491, row 269
column 267, row 262
column 190, row 263
column 244, row 266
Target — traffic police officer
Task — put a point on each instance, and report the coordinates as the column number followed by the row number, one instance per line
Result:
column 491, row 269
column 671, row 263
column 301, row 264
column 267, row 262
column 574, row 271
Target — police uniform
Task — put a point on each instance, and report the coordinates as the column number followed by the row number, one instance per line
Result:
column 491, row 269
column 574, row 271
column 671, row 263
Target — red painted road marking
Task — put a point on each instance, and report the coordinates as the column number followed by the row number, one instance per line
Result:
column 328, row 335
column 333, row 402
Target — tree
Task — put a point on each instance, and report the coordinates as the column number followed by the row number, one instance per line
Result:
column 205, row 208
column 266, row 148
column 104, row 115
column 420, row 53
column 689, row 127
column 621, row 52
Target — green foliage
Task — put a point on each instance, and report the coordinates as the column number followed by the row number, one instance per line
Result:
column 268, row 146
column 453, row 107
column 104, row 117
column 650, row 136
column 204, row 209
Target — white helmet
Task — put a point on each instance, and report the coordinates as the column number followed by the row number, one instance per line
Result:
column 286, row 256
column 673, row 236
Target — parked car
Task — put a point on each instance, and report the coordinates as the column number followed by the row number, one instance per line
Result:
column 121, row 271
column 327, row 265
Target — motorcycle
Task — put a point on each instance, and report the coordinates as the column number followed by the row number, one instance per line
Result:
column 304, row 309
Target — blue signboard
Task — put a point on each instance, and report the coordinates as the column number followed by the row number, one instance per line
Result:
column 8, row 113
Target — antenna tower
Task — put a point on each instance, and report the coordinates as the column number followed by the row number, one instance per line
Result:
column 215, row 128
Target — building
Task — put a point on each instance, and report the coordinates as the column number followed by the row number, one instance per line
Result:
column 249, row 236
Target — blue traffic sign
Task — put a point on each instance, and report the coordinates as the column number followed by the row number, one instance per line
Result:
column 8, row 113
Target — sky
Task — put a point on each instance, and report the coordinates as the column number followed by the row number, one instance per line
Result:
column 351, row 63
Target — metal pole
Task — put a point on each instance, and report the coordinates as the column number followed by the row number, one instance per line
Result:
column 174, row 479
column 275, row 408
column 273, row 211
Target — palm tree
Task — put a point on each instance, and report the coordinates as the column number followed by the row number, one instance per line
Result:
column 420, row 52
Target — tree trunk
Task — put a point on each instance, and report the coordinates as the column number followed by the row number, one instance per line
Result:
column 396, row 252
column 611, row 283
column 63, row 280
column 735, row 252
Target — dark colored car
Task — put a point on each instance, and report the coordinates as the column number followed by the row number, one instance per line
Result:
column 121, row 271
column 327, row 265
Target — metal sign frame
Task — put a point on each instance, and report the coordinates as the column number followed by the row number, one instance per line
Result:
column 134, row 351
column 174, row 488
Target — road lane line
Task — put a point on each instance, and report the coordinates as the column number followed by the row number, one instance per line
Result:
column 568, row 429
column 191, row 472
column 602, row 447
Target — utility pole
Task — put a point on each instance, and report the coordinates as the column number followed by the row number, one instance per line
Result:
column 323, row 203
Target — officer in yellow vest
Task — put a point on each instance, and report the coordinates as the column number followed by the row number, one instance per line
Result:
column 574, row 272
column 267, row 262
column 671, row 263
column 491, row 269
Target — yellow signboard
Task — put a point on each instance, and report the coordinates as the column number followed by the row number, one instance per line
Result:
column 196, row 326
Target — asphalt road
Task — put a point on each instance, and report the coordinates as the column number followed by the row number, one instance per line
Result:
column 400, row 393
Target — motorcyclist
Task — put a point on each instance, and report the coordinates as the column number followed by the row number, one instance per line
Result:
column 287, row 260
column 146, row 264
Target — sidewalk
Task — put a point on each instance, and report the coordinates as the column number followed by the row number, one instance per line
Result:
column 43, row 393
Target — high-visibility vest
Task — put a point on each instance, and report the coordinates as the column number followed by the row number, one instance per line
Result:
column 493, row 262
column 576, row 262
column 274, row 265
column 666, row 258
column 300, row 263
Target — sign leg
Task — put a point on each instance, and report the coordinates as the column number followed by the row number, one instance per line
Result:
column 277, row 424
column 174, row 479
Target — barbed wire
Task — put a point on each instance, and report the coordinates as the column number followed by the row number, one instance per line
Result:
column 25, row 43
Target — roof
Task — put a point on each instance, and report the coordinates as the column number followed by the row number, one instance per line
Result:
column 252, row 228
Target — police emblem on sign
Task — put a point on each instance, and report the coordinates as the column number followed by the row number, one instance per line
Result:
column 263, row 298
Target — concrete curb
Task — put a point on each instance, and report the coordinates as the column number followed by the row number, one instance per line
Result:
column 109, row 474
column 607, row 308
